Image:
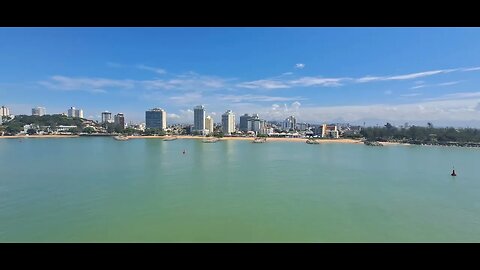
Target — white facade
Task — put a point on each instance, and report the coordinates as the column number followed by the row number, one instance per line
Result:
column 39, row 111
column 4, row 111
column 107, row 117
column 256, row 124
column 209, row 124
column 290, row 123
column 72, row 112
column 228, row 122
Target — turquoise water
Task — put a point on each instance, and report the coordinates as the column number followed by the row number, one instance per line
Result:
column 146, row 190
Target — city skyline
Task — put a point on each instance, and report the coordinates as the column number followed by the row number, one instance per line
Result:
column 354, row 75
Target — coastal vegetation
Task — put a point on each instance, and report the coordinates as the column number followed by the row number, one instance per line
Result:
column 423, row 135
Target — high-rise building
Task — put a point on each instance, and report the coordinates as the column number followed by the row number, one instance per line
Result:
column 106, row 117
column 209, row 124
column 199, row 119
column 72, row 112
column 4, row 111
column 290, row 123
column 228, row 122
column 156, row 118
column 244, row 122
column 39, row 111
column 256, row 124
column 119, row 120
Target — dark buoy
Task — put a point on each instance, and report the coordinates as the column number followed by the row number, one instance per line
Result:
column 184, row 152
column 453, row 173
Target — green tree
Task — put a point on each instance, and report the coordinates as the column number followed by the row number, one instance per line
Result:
column 31, row 131
column 89, row 130
column 74, row 130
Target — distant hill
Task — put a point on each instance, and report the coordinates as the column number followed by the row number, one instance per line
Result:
column 16, row 124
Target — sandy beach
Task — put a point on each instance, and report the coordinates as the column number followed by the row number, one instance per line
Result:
column 269, row 139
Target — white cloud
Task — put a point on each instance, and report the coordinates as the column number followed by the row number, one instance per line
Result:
column 153, row 69
column 448, row 83
column 368, row 79
column 258, row 98
column 405, row 76
column 440, row 111
column 299, row 66
column 173, row 116
column 265, row 84
column 186, row 82
column 317, row 81
column 188, row 99
column 470, row 69
column 418, row 86
column 460, row 95
column 85, row 84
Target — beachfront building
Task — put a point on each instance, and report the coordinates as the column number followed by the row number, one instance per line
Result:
column 119, row 120
column 72, row 112
column 107, row 117
column 199, row 120
column 302, row 126
column 290, row 123
column 228, row 122
column 256, row 124
column 39, row 111
column 209, row 124
column 327, row 131
column 244, row 122
column 156, row 118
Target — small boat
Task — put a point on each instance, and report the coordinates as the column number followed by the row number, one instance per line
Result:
column 170, row 139
column 312, row 141
column 121, row 138
column 210, row 140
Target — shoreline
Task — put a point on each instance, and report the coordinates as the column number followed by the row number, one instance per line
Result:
column 38, row 136
column 269, row 139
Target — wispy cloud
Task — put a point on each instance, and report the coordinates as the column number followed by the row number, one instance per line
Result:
column 153, row 69
column 188, row 99
column 264, row 84
column 96, row 85
column 435, row 85
column 301, row 82
column 388, row 92
column 470, row 69
column 256, row 98
column 190, row 82
column 459, row 95
column 299, row 66
column 448, row 83
column 405, row 76
column 317, row 81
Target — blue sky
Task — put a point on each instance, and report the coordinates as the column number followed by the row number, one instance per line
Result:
column 355, row 75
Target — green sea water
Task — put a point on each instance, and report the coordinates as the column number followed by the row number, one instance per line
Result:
column 147, row 190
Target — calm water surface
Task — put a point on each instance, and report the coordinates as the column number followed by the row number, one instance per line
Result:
column 146, row 190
